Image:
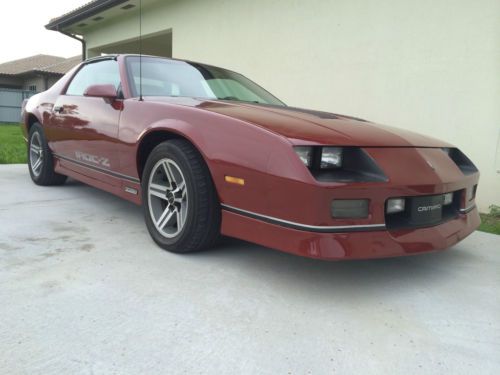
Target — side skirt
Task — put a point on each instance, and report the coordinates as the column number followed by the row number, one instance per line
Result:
column 116, row 189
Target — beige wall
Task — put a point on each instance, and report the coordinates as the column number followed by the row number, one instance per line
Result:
column 430, row 66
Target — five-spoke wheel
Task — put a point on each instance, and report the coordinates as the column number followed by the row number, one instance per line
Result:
column 168, row 198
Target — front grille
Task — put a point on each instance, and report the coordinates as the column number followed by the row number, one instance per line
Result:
column 422, row 211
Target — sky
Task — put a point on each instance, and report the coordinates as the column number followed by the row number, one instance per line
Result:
column 22, row 31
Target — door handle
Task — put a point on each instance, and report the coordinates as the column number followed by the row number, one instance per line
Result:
column 58, row 109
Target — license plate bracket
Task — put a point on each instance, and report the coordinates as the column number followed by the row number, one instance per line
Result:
column 426, row 210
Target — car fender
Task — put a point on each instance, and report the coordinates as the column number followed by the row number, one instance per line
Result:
column 231, row 148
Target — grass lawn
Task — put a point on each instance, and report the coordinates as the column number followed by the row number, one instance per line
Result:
column 12, row 146
column 490, row 223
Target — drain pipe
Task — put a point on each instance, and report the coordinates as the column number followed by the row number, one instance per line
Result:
column 81, row 40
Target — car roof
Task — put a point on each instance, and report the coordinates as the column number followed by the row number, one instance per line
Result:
column 116, row 55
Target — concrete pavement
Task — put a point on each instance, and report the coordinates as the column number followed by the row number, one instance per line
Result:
column 84, row 290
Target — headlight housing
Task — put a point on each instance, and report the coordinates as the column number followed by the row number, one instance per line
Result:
column 339, row 164
column 331, row 157
column 305, row 154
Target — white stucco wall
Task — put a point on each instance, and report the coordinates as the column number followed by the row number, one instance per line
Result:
column 432, row 66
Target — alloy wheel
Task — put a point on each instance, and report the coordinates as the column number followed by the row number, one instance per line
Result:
column 168, row 198
column 36, row 154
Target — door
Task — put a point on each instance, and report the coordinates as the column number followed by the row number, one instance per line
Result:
column 84, row 130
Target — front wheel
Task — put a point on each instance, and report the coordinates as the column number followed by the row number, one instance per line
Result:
column 181, row 207
column 40, row 160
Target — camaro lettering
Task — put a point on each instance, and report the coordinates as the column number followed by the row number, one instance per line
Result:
column 428, row 208
column 94, row 159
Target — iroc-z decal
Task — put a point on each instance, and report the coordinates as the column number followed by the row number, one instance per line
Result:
column 94, row 159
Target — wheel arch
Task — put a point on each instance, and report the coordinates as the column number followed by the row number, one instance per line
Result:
column 152, row 138
column 30, row 120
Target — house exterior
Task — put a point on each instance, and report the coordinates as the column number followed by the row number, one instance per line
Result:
column 19, row 79
column 431, row 67
column 35, row 73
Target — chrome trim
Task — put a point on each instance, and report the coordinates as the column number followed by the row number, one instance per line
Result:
column 305, row 227
column 130, row 190
column 467, row 209
column 97, row 168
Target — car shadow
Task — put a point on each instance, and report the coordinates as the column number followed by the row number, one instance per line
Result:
column 351, row 280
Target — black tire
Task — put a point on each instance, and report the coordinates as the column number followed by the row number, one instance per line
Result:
column 44, row 174
column 202, row 220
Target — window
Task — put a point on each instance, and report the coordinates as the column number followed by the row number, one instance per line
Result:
column 163, row 77
column 229, row 88
column 32, row 87
column 95, row 73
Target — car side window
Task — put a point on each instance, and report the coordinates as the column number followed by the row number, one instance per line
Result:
column 95, row 73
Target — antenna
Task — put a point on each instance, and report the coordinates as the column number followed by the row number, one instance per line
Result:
column 140, row 51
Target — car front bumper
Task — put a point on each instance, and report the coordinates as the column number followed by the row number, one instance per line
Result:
column 376, row 243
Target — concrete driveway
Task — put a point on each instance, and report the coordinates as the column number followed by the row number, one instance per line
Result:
column 84, row 290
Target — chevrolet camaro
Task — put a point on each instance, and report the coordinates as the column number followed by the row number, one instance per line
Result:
column 207, row 152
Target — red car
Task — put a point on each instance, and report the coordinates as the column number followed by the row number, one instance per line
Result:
column 208, row 152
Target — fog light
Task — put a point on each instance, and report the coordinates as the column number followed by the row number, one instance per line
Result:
column 471, row 193
column 350, row 208
column 395, row 205
column 448, row 199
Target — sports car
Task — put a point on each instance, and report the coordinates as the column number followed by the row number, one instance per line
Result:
column 207, row 152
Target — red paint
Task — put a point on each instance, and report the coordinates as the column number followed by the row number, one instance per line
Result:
column 254, row 142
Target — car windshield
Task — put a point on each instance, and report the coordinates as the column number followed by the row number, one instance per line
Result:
column 163, row 77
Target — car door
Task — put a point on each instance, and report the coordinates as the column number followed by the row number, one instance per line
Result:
column 84, row 129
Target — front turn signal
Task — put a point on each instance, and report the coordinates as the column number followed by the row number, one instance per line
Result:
column 234, row 180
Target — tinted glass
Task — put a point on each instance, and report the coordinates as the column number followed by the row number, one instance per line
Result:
column 163, row 77
column 96, row 73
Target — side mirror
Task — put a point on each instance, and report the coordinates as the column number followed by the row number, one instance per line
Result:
column 106, row 91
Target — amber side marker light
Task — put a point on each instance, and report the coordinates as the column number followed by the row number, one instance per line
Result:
column 234, row 180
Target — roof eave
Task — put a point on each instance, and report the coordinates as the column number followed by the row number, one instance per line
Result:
column 45, row 72
column 82, row 13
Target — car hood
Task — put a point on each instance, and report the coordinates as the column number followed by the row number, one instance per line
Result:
column 303, row 126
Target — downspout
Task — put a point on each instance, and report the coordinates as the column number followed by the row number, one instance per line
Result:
column 81, row 40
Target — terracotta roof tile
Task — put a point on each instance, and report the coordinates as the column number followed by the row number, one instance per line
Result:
column 44, row 63
column 63, row 66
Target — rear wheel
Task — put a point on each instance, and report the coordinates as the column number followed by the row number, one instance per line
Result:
column 40, row 160
column 181, row 207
